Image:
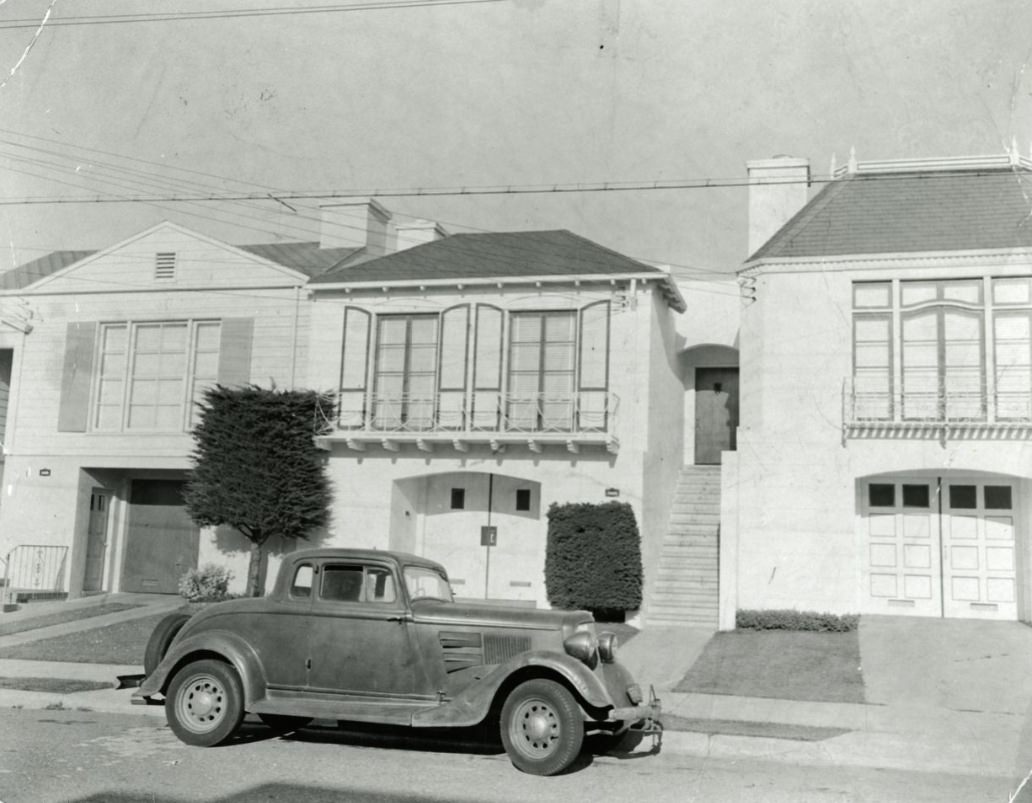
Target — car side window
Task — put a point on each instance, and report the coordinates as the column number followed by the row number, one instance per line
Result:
column 380, row 585
column 341, row 583
column 302, row 584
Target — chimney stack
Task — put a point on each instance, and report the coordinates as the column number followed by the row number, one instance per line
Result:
column 778, row 188
column 418, row 232
column 357, row 224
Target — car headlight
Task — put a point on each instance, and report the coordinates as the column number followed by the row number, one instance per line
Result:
column 583, row 646
column 607, row 643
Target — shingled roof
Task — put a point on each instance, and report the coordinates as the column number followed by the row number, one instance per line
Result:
column 935, row 210
column 492, row 255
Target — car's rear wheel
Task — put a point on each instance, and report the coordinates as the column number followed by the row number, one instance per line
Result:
column 541, row 727
column 282, row 723
column 160, row 639
column 205, row 703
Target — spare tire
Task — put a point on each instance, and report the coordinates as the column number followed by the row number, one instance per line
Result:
column 160, row 639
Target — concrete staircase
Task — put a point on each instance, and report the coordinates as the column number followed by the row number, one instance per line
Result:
column 685, row 586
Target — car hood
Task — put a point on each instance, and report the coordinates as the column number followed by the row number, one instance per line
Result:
column 485, row 615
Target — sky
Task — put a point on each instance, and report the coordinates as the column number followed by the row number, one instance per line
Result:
column 505, row 93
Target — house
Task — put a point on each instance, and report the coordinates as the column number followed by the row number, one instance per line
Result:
column 103, row 355
column 477, row 379
column 884, row 460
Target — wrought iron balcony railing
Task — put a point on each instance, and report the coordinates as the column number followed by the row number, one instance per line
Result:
column 946, row 412
column 479, row 416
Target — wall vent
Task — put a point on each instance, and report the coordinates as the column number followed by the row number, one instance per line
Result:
column 165, row 265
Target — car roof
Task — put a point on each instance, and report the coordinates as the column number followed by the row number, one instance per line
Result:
column 363, row 554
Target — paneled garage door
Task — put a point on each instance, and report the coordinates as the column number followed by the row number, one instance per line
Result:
column 940, row 547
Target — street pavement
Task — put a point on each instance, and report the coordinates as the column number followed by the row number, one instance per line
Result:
column 943, row 696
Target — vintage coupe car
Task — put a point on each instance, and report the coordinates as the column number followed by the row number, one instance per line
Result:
column 371, row 636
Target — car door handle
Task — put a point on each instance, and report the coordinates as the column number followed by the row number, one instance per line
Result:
column 399, row 618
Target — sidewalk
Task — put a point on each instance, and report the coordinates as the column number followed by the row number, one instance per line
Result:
column 942, row 696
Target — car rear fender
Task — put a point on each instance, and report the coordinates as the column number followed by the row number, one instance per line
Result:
column 474, row 702
column 220, row 644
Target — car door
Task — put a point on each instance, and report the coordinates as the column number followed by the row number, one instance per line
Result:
column 359, row 637
column 279, row 634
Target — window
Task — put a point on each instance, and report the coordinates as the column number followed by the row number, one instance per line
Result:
column 302, row 585
column 956, row 350
column 458, row 498
column 881, row 494
column 963, row 497
column 151, row 374
column 357, row 584
column 916, row 496
column 406, row 372
column 998, row 497
column 523, row 499
column 541, row 370
column 425, row 583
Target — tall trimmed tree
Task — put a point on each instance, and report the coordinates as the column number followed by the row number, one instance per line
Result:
column 257, row 468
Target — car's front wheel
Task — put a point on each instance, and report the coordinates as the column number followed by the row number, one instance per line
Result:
column 205, row 703
column 541, row 727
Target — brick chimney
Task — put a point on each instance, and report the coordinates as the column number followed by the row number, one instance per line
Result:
column 778, row 188
column 357, row 224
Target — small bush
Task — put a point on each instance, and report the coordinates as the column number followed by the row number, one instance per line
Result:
column 210, row 583
column 593, row 561
column 796, row 620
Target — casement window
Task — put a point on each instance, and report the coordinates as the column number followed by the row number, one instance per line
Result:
column 957, row 350
column 476, row 367
column 151, row 374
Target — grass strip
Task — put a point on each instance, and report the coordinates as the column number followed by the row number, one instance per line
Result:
column 60, row 617
column 121, row 643
column 789, row 665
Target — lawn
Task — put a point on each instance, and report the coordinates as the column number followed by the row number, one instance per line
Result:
column 121, row 643
column 60, row 617
column 791, row 665
column 53, row 685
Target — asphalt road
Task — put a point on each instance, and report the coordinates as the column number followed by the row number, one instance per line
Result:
column 59, row 755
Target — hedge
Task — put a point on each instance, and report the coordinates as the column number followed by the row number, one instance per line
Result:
column 796, row 620
column 593, row 560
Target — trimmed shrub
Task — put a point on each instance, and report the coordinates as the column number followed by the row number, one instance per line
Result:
column 210, row 583
column 796, row 620
column 593, row 560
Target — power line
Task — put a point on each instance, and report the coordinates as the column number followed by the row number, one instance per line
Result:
column 237, row 13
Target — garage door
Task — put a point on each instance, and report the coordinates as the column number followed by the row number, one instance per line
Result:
column 161, row 539
column 940, row 547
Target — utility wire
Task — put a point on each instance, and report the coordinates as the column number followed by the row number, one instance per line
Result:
column 237, row 13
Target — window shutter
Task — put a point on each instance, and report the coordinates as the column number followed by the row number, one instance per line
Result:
column 487, row 369
column 594, row 366
column 235, row 342
column 451, row 397
column 73, row 413
column 354, row 368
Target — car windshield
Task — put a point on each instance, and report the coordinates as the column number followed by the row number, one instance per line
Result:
column 426, row 583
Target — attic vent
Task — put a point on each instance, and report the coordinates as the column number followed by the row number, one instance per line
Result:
column 165, row 265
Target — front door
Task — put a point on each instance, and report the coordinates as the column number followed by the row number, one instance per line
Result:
column 941, row 547
column 96, row 540
column 716, row 413
column 161, row 538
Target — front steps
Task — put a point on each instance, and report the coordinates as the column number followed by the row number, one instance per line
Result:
column 685, row 587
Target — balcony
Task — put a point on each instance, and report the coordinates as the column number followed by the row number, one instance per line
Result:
column 458, row 421
column 943, row 413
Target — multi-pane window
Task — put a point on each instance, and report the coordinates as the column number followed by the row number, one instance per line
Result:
column 957, row 350
column 542, row 346
column 476, row 367
column 150, row 374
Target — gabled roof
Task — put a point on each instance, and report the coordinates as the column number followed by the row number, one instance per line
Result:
column 933, row 210
column 307, row 258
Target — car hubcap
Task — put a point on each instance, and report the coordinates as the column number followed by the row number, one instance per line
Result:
column 535, row 728
column 202, row 704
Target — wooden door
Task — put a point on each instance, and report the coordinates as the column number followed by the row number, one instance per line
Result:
column 161, row 539
column 716, row 413
column 96, row 540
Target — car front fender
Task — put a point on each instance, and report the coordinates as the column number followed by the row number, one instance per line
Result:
column 472, row 704
column 226, row 645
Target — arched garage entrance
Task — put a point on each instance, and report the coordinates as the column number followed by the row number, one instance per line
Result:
column 945, row 544
column 485, row 528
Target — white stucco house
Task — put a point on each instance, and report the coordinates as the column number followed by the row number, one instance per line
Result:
column 884, row 460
